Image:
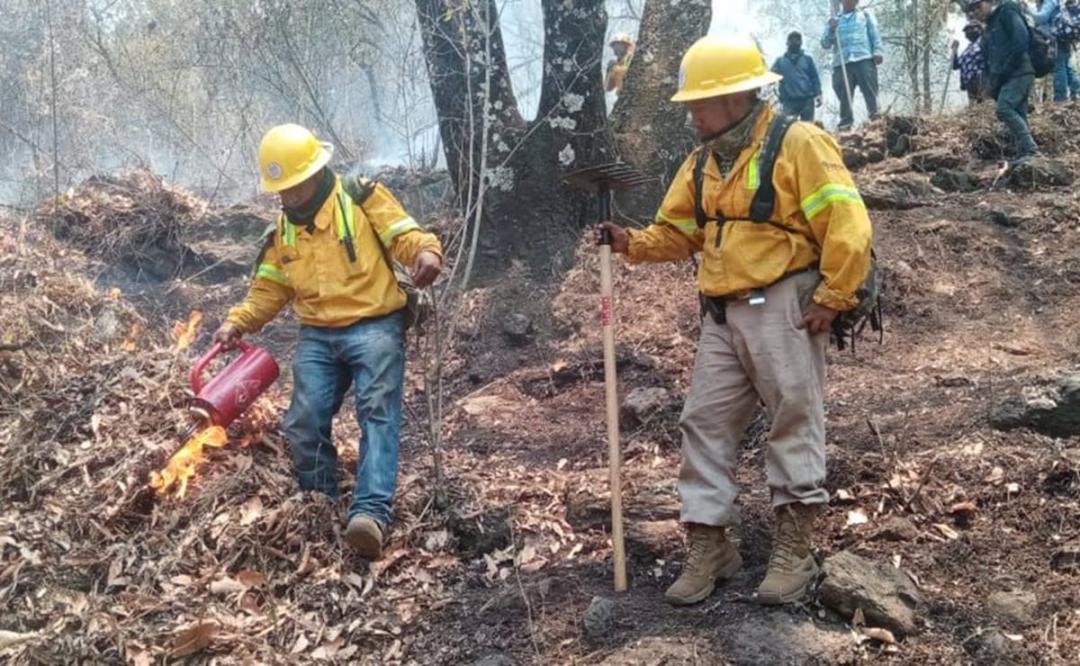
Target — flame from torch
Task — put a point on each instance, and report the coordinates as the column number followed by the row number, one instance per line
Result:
column 182, row 466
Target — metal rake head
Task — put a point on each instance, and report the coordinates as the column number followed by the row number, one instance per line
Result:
column 606, row 177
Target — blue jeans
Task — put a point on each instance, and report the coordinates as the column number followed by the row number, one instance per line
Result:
column 1012, row 106
column 1066, row 83
column 369, row 355
column 799, row 107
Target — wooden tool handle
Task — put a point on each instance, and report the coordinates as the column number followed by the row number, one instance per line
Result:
column 612, row 399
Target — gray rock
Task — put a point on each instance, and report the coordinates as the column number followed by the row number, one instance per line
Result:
column 856, row 157
column 1057, row 413
column 1012, row 218
column 902, row 191
column 888, row 598
column 1040, row 172
column 599, row 617
column 494, row 660
column 897, row 528
column 955, row 180
column 1013, row 608
column 779, row 638
column 935, row 160
column 992, row 646
column 645, row 404
column 517, row 328
column 899, row 135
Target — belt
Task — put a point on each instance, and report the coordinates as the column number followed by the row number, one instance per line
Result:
column 716, row 306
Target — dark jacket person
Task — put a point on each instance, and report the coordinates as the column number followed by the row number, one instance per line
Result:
column 800, row 89
column 1009, row 71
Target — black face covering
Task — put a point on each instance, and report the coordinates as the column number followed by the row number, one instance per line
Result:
column 304, row 214
column 794, row 48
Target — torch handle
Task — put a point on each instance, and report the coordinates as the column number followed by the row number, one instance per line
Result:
column 196, row 372
column 612, row 401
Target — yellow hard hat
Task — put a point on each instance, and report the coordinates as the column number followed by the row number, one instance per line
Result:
column 622, row 38
column 715, row 66
column 290, row 154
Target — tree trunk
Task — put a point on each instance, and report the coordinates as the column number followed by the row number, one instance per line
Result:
column 911, row 54
column 508, row 172
column 928, row 97
column 650, row 131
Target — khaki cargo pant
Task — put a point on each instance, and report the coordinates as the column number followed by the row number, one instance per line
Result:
column 758, row 354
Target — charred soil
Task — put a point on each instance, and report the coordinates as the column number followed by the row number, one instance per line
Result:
column 983, row 286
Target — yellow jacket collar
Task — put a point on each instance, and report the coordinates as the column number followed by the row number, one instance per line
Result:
column 324, row 219
column 761, row 128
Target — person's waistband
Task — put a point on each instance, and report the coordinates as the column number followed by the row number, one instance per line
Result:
column 854, row 62
column 363, row 321
column 747, row 294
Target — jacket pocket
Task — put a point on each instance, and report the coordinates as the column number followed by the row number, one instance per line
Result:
column 297, row 267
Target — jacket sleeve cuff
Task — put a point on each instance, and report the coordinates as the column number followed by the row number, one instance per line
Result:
column 433, row 247
column 241, row 317
column 635, row 248
column 833, row 299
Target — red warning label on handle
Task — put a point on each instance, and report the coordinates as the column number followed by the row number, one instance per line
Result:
column 605, row 311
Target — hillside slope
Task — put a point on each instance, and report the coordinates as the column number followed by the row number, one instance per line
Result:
column 984, row 522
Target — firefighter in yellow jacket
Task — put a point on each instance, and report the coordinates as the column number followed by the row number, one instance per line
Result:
column 622, row 45
column 771, row 290
column 324, row 257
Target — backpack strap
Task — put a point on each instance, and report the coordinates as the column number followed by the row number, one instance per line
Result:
column 764, row 201
column 266, row 241
column 359, row 190
column 699, row 182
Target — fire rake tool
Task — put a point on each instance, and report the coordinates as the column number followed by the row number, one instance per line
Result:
column 602, row 179
column 231, row 391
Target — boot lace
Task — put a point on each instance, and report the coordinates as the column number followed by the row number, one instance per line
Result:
column 698, row 550
column 785, row 552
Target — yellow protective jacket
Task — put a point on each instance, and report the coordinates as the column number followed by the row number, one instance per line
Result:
column 816, row 200
column 616, row 73
column 314, row 271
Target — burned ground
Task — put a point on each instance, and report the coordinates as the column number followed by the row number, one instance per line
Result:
column 500, row 565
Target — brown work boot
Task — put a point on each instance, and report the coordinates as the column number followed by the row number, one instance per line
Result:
column 710, row 557
column 365, row 535
column 792, row 568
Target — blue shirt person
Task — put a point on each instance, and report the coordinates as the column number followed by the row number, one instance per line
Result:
column 853, row 38
column 1066, row 82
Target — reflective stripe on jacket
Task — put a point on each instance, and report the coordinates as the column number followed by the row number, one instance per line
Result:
column 314, row 271
column 816, row 200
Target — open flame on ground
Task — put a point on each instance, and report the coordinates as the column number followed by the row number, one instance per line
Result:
column 184, row 333
column 181, row 468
